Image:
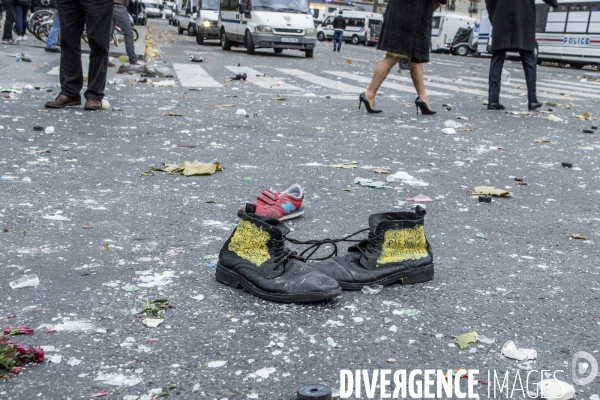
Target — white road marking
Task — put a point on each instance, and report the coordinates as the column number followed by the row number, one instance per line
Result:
column 403, row 88
column 265, row 82
column 193, row 75
column 319, row 80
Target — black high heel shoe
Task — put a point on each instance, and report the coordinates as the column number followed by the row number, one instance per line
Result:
column 363, row 99
column 423, row 106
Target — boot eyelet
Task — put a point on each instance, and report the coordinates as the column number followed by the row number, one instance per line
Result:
column 367, row 259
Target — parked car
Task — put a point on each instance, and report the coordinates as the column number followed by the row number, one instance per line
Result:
column 153, row 10
column 168, row 9
column 142, row 18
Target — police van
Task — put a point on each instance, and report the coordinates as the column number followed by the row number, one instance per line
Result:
column 185, row 16
column 358, row 24
column 444, row 29
column 207, row 20
column 276, row 24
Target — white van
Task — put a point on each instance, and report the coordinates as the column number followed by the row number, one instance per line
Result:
column 357, row 25
column 185, row 16
column 444, row 29
column 207, row 21
column 276, row 24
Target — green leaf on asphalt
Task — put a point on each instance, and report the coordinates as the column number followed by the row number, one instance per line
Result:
column 466, row 339
column 371, row 183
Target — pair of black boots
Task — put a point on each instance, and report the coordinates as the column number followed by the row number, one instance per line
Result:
column 255, row 257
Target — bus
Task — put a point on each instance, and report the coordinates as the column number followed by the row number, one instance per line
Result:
column 569, row 33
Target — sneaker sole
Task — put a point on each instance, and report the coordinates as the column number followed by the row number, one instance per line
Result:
column 423, row 274
column 233, row 279
column 295, row 214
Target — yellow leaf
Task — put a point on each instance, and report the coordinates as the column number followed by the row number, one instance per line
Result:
column 198, row 168
column 382, row 171
column 466, row 339
column 278, row 98
column 106, row 246
column 491, row 191
column 579, row 236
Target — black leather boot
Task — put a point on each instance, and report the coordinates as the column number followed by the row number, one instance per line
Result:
column 255, row 258
column 395, row 251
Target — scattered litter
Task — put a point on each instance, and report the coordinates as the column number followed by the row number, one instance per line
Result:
column 449, row 131
column 567, row 165
column 542, row 140
column 510, row 350
column 49, row 130
column 224, row 105
column 391, row 360
column 278, row 98
column 71, row 326
column 240, row 77
column 167, row 83
column 38, row 128
column 100, row 394
column 554, row 389
column 485, row 199
column 578, row 236
column 372, row 290
column 216, row 364
column 198, row 60
column 241, row 111
column 490, row 191
column 130, row 288
column 199, row 297
column 105, row 104
column 332, row 343
column 25, row 281
column 410, row 312
column 57, row 359
column 452, row 124
column 152, row 322
column 366, row 182
column 73, row 362
column 486, row 340
column 348, row 165
column 481, row 236
column 173, row 114
column 382, row 171
column 156, row 308
column 550, row 103
column 554, row 118
column 118, row 379
column 187, row 168
column 584, row 116
column 588, row 131
column 421, row 198
column 466, row 339
column 463, row 118
column 406, row 179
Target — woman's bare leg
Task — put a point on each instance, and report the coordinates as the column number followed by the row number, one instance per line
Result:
column 416, row 74
column 381, row 72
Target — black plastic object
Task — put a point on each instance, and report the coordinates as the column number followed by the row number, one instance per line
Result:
column 462, row 36
column 314, row 392
column 421, row 210
column 588, row 131
column 485, row 199
column 449, row 108
column 567, row 165
column 38, row 128
column 594, row 127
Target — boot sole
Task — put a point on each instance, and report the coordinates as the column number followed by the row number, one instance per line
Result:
column 233, row 279
column 422, row 274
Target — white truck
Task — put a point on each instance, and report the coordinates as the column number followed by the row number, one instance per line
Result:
column 358, row 24
column 276, row 24
column 444, row 28
column 207, row 20
column 185, row 16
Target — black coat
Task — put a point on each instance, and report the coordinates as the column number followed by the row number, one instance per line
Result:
column 339, row 22
column 513, row 23
column 406, row 28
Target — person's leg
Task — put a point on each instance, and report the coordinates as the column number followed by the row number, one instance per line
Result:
column 98, row 17
column 416, row 74
column 54, row 31
column 530, row 69
column 10, row 9
column 24, row 15
column 381, row 72
column 19, row 20
column 71, row 29
column 121, row 18
column 335, row 39
column 340, row 40
column 495, row 78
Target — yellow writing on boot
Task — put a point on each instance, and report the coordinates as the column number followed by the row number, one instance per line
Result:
column 404, row 244
column 250, row 243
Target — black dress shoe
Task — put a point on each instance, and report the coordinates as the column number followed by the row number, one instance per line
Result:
column 54, row 50
column 534, row 106
column 495, row 106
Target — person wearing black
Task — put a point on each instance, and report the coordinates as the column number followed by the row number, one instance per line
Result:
column 405, row 33
column 339, row 25
column 11, row 11
column 513, row 24
column 96, row 16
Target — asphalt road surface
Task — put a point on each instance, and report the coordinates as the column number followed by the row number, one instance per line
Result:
column 83, row 219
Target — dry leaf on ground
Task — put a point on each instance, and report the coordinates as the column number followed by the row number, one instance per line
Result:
column 579, row 236
column 466, row 339
column 382, row 171
column 348, row 165
column 187, row 168
column 542, row 140
column 463, row 118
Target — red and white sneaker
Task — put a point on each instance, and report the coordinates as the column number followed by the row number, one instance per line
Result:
column 281, row 205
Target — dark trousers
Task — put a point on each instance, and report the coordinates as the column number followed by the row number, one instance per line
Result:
column 10, row 8
column 96, row 15
column 529, row 67
column 21, row 19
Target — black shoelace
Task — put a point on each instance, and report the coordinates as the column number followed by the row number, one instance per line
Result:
column 314, row 245
column 281, row 254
